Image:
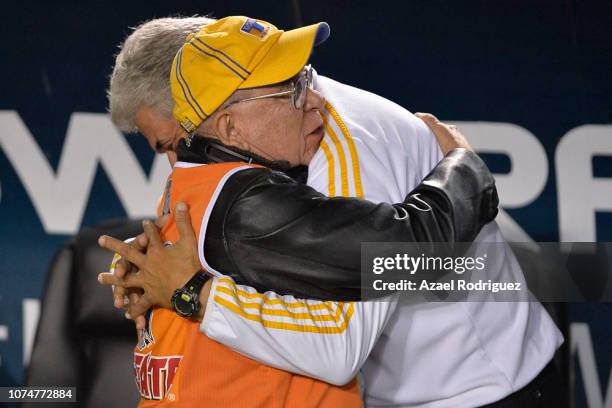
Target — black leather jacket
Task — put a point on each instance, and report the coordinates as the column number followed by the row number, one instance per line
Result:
column 268, row 231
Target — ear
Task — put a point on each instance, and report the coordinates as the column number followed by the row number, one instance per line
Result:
column 227, row 130
column 223, row 127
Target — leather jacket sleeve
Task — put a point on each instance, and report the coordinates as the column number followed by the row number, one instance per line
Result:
column 272, row 233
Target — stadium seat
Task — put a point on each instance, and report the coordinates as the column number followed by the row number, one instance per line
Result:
column 82, row 340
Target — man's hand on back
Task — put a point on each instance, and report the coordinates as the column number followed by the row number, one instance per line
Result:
column 159, row 271
column 123, row 267
column 448, row 136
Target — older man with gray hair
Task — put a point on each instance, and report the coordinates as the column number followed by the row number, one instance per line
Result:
column 139, row 93
column 336, row 177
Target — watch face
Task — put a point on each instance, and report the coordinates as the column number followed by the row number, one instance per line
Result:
column 184, row 303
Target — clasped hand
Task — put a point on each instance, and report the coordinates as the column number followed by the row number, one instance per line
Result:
column 149, row 270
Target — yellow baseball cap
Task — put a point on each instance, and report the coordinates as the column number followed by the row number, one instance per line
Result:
column 235, row 53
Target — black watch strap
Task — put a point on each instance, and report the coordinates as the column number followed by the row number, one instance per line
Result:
column 196, row 283
column 186, row 300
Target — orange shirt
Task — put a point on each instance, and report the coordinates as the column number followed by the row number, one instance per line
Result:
column 176, row 364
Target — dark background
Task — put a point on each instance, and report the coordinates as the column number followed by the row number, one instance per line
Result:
column 542, row 65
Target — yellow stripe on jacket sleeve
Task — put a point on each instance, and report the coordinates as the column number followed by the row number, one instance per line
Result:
column 255, row 300
column 271, row 302
column 317, row 316
column 116, row 258
column 352, row 149
column 287, row 326
column 341, row 156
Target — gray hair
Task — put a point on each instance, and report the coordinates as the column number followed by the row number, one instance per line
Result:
column 141, row 76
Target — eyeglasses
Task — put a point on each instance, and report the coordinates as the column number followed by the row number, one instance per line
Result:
column 299, row 86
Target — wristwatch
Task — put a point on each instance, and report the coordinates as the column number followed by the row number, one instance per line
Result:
column 186, row 300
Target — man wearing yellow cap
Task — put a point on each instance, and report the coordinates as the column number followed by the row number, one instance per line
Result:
column 196, row 103
column 236, row 53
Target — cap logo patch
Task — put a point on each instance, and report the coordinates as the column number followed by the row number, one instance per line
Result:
column 252, row 27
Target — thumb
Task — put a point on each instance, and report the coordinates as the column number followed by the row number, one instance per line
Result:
column 427, row 118
column 183, row 222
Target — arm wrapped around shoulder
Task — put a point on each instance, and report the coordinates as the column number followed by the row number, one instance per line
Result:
column 271, row 233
